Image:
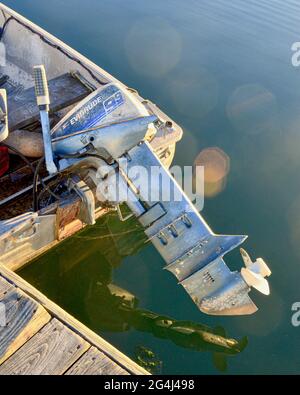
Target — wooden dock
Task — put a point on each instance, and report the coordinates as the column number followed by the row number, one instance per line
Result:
column 37, row 337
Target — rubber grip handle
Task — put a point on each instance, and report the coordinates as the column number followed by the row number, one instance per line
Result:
column 41, row 86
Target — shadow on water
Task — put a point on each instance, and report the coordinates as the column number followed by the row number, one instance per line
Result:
column 82, row 282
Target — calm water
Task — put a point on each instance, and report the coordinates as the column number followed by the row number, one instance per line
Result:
column 223, row 71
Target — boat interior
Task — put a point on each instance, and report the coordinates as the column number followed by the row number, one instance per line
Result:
column 71, row 78
column 69, row 82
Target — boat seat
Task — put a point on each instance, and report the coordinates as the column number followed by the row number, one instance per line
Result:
column 23, row 111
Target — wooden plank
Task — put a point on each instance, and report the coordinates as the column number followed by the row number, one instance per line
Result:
column 93, row 363
column 5, row 286
column 70, row 229
column 68, row 211
column 23, row 319
column 90, row 336
column 52, row 351
column 64, row 91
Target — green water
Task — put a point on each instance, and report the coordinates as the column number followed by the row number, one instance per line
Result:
column 223, row 71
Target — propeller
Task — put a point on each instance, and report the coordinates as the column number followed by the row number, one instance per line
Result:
column 255, row 272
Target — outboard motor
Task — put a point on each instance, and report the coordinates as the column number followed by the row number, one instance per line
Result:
column 109, row 122
column 107, row 134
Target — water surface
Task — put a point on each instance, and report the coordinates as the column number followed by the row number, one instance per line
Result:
column 223, row 71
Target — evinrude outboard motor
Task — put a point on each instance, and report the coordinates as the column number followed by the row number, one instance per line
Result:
column 107, row 134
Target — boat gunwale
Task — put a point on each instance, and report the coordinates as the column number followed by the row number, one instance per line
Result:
column 57, row 42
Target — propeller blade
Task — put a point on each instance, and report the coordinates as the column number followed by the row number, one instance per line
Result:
column 256, row 281
column 264, row 268
column 246, row 257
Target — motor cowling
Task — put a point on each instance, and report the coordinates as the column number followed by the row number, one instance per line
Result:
column 107, row 105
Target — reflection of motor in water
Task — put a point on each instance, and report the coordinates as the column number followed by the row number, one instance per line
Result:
column 121, row 314
column 86, row 277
